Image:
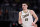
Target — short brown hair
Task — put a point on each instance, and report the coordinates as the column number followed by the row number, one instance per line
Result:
column 25, row 3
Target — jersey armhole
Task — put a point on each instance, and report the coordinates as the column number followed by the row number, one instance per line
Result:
column 30, row 12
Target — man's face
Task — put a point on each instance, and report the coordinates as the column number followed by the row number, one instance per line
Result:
column 24, row 6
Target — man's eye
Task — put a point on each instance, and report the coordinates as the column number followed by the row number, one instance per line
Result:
column 24, row 5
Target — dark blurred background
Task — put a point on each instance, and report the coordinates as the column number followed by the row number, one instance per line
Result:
column 9, row 10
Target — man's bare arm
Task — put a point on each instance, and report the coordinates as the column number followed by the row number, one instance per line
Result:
column 19, row 20
column 35, row 16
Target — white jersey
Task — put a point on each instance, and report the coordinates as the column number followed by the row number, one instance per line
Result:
column 27, row 19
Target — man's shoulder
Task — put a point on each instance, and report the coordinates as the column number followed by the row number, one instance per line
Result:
column 31, row 10
column 20, row 12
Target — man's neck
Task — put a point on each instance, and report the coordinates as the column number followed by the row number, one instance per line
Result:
column 25, row 10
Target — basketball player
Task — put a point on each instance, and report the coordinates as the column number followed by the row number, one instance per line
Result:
column 25, row 17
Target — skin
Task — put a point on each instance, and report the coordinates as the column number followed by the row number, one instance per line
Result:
column 25, row 6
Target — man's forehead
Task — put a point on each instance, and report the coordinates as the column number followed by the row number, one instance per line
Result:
column 24, row 4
